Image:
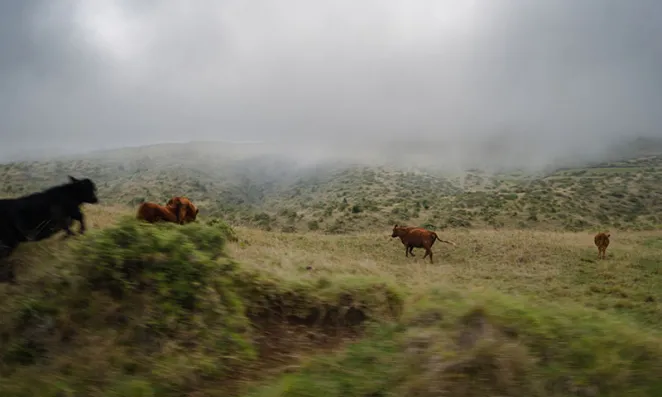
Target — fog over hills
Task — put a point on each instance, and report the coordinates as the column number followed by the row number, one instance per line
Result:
column 503, row 154
column 452, row 84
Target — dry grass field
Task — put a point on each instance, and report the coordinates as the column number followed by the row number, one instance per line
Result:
column 542, row 266
column 290, row 284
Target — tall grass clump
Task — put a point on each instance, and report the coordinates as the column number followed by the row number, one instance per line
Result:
column 151, row 305
column 157, row 310
column 459, row 344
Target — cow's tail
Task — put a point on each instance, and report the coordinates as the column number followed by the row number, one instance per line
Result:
column 443, row 241
column 178, row 212
column 140, row 214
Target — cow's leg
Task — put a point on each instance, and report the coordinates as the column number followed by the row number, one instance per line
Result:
column 65, row 226
column 406, row 250
column 427, row 253
column 430, row 252
column 181, row 214
column 77, row 215
column 411, row 250
column 61, row 220
column 7, row 273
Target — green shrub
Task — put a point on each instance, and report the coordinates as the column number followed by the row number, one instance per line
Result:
column 226, row 230
column 313, row 225
column 159, row 309
column 468, row 345
column 171, row 282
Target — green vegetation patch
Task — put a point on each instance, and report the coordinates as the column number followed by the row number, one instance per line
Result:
column 459, row 344
column 140, row 310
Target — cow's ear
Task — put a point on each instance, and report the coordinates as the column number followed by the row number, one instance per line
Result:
column 396, row 225
column 72, row 179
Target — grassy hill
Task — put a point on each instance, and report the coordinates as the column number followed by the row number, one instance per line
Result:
column 204, row 310
column 273, row 192
column 290, row 284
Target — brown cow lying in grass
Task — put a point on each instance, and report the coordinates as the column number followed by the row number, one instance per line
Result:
column 602, row 242
column 152, row 212
column 188, row 212
column 417, row 237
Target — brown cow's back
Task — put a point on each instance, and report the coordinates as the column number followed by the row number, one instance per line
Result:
column 152, row 212
column 418, row 237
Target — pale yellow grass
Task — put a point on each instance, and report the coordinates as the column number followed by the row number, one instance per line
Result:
column 480, row 254
column 544, row 266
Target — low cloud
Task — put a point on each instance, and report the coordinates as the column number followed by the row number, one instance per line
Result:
column 515, row 83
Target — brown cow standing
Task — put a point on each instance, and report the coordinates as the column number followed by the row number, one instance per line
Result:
column 417, row 237
column 188, row 212
column 152, row 212
column 602, row 242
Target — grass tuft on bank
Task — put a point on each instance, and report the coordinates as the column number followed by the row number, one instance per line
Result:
column 161, row 310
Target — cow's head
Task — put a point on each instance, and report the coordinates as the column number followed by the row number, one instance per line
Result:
column 172, row 202
column 84, row 190
column 397, row 231
column 192, row 211
column 188, row 212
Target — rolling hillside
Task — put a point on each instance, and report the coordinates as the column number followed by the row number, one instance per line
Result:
column 204, row 310
column 304, row 293
column 276, row 193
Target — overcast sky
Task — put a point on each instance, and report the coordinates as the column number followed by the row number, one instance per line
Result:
column 561, row 74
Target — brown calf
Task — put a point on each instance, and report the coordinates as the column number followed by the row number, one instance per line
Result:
column 152, row 212
column 417, row 237
column 188, row 212
column 602, row 242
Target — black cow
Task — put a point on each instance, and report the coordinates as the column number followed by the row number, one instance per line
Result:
column 40, row 215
